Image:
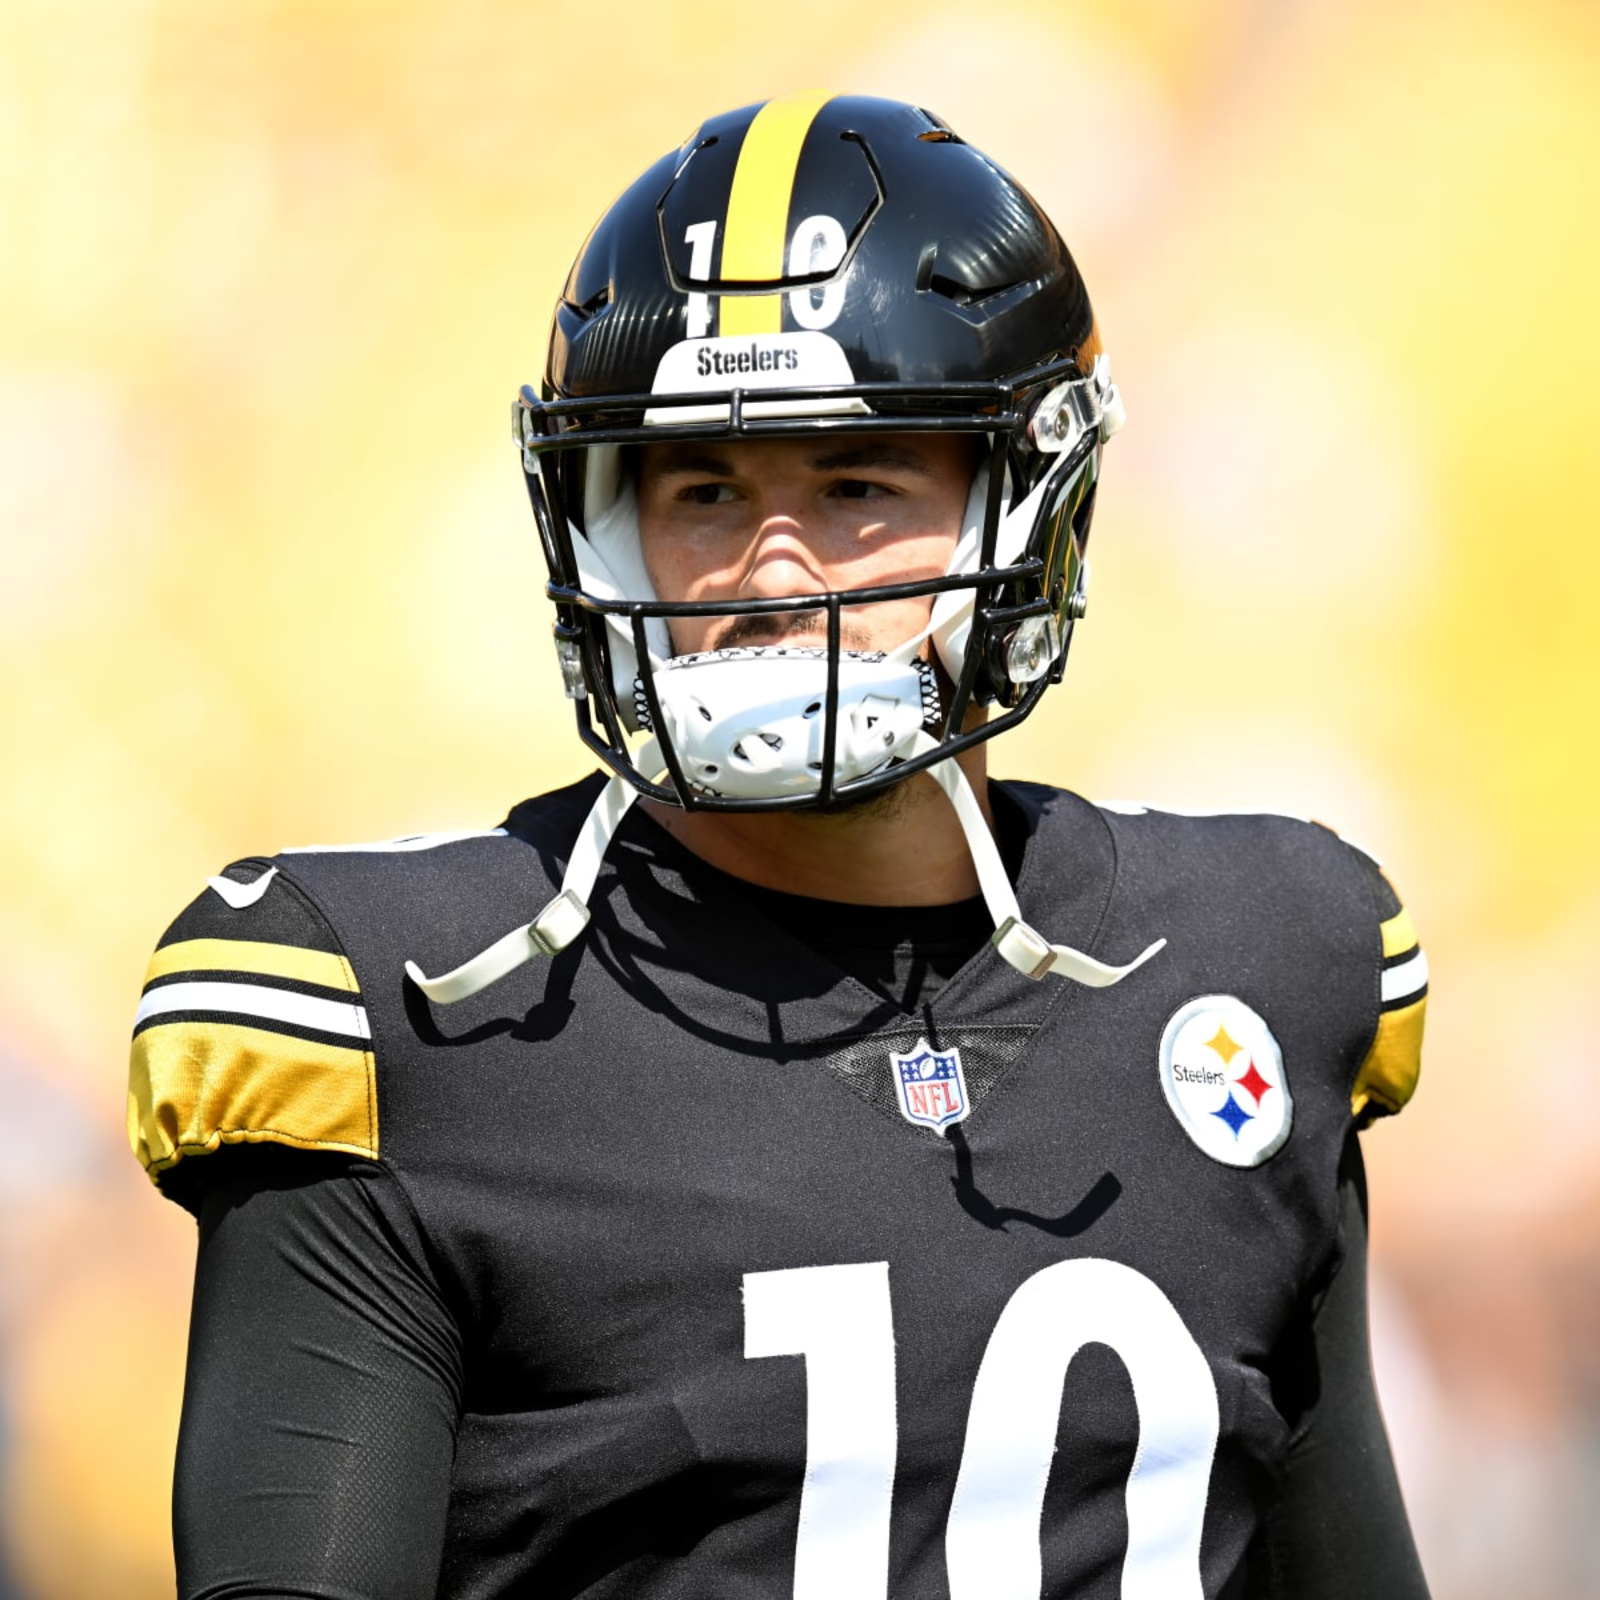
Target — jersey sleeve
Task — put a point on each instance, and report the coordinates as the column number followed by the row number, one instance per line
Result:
column 1335, row 1527
column 1388, row 1074
column 250, row 1029
column 324, row 1384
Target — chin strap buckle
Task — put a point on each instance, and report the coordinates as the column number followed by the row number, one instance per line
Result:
column 547, row 935
column 564, row 918
column 558, row 924
column 1033, row 956
column 1022, row 948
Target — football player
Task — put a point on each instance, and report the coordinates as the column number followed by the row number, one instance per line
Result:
column 836, row 1175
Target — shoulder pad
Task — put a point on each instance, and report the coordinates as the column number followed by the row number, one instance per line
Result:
column 251, row 1029
column 1387, row 1076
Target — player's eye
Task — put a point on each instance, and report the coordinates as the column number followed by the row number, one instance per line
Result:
column 706, row 494
column 859, row 489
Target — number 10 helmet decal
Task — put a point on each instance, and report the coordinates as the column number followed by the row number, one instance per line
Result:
column 812, row 264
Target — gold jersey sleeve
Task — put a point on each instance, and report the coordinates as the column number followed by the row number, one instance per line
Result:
column 1388, row 1075
column 251, row 1029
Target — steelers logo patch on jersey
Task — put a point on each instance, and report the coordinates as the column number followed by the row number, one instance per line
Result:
column 1222, row 1073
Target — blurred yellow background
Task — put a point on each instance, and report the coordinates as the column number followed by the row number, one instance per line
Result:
column 270, row 273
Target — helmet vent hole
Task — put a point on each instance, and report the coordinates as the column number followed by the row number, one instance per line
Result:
column 962, row 294
column 813, row 708
column 596, row 303
column 705, row 714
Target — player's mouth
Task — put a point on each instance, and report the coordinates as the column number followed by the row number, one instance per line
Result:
column 791, row 627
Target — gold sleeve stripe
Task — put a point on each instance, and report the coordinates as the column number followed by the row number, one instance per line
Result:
column 322, row 967
column 1398, row 934
column 756, row 234
column 193, row 1086
column 1388, row 1077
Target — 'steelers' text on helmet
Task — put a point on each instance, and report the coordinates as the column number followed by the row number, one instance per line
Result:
column 818, row 263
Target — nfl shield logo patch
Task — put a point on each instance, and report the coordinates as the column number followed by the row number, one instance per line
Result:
column 930, row 1086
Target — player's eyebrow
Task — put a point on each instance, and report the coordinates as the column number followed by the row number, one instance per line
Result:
column 870, row 455
column 863, row 457
column 692, row 461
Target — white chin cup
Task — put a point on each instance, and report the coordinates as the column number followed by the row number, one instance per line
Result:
column 747, row 722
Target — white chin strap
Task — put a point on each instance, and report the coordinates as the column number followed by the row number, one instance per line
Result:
column 566, row 916
column 1019, row 945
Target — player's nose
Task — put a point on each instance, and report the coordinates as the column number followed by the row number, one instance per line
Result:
column 780, row 560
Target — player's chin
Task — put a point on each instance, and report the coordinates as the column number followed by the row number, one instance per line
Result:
column 874, row 805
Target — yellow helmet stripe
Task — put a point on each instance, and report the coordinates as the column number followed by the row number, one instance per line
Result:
column 757, row 232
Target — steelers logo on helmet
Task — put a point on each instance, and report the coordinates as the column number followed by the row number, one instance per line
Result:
column 1222, row 1073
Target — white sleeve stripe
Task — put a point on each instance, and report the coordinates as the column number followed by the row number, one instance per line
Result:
column 247, row 1000
column 1408, row 978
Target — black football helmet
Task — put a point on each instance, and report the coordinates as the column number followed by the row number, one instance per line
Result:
column 818, row 263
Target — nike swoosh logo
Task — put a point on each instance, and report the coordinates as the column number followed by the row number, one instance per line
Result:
column 240, row 895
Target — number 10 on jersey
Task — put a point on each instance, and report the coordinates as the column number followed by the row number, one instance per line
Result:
column 840, row 1319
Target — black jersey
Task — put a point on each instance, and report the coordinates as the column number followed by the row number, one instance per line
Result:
column 764, row 1286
